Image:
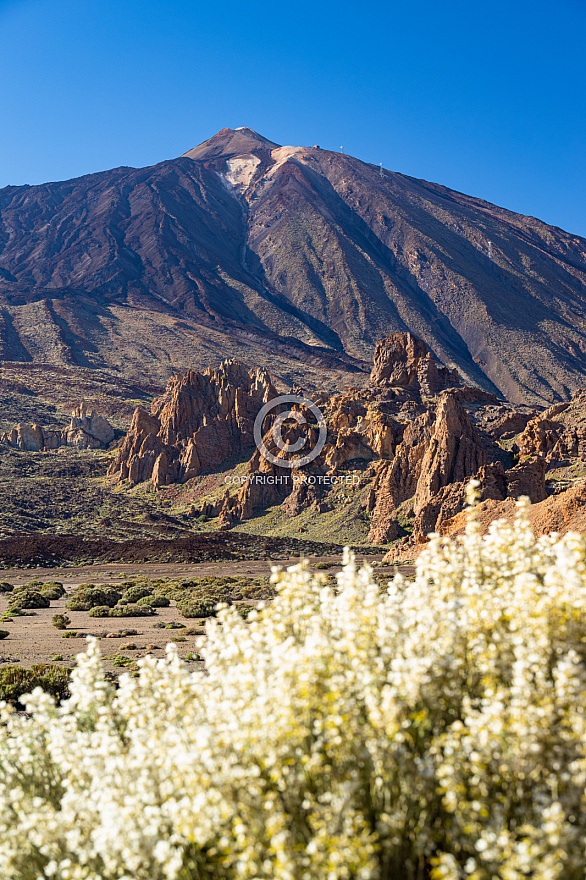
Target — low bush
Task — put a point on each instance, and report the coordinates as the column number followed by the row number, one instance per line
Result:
column 131, row 611
column 15, row 681
column 121, row 660
column 26, row 598
column 4, row 633
column 136, row 592
column 5, row 587
column 88, row 597
column 244, row 609
column 200, row 608
column 61, row 621
column 52, row 592
column 100, row 611
column 154, row 601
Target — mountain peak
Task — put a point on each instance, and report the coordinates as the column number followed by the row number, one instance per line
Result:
column 231, row 142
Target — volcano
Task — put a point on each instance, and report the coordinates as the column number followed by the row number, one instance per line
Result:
column 293, row 257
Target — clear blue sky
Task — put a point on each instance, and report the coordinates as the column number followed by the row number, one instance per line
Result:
column 486, row 98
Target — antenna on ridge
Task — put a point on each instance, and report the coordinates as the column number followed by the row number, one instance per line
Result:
column 490, row 250
column 342, row 150
column 381, row 169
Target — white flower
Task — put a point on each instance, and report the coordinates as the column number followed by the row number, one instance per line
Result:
column 361, row 732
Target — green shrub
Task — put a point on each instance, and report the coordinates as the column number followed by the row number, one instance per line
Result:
column 100, row 611
column 28, row 599
column 131, row 611
column 136, row 592
column 88, row 597
column 121, row 660
column 245, row 608
column 5, row 587
column 204, row 607
column 16, row 681
column 61, row 621
column 154, row 601
column 52, row 593
column 70, row 634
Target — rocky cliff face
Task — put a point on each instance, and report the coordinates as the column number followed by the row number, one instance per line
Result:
column 294, row 257
column 201, row 420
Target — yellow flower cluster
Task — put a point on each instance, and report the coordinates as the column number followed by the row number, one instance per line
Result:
column 432, row 729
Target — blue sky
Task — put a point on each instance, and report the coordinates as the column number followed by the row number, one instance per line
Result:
column 485, row 98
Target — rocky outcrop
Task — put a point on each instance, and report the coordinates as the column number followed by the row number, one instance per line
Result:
column 437, row 451
column 571, row 444
column 30, row 438
column 525, row 479
column 403, row 360
column 88, row 430
column 396, row 481
column 556, row 513
column 451, row 499
column 503, row 422
column 559, row 434
column 365, row 434
column 415, row 444
column 85, row 431
column 539, row 437
column 455, row 451
column 201, row 420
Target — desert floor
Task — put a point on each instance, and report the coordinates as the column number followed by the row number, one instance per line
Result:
column 33, row 639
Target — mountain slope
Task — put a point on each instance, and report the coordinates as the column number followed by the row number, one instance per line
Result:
column 296, row 258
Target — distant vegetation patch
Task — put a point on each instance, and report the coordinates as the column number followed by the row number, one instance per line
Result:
column 16, row 681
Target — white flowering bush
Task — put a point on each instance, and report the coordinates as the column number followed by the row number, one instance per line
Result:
column 434, row 729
